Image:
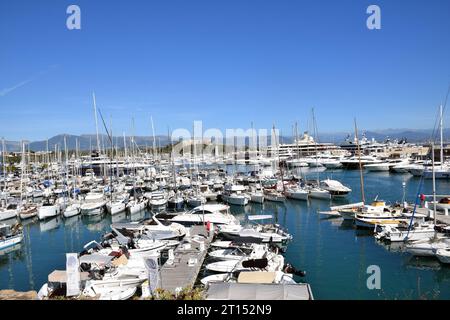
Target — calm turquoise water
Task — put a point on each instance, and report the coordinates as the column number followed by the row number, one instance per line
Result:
column 333, row 253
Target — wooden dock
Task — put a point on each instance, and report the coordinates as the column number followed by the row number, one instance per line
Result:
column 180, row 273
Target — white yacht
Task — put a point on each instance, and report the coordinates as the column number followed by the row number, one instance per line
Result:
column 72, row 210
column 335, row 188
column 386, row 165
column 235, row 194
column 94, row 204
column 9, row 212
column 297, row 193
column 136, row 205
column 49, row 209
column 213, row 213
column 9, row 236
column 158, row 200
column 353, row 162
column 319, row 193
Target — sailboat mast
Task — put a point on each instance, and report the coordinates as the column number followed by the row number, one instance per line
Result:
column 434, row 182
column 442, row 136
column 154, row 139
column 315, row 144
column 22, row 171
column 96, row 122
column 361, row 179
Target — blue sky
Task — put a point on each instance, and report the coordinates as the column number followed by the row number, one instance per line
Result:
column 227, row 63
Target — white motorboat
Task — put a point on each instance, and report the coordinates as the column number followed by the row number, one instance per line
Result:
column 256, row 251
column 319, row 193
column 297, row 193
column 354, row 162
column 48, row 210
column 136, row 205
column 72, row 210
column 28, row 212
column 383, row 166
column 94, row 204
column 250, row 277
column 404, row 233
column 213, row 213
column 256, row 195
column 157, row 200
column 331, row 163
column 274, row 195
column 348, row 212
column 335, row 188
column 11, row 211
column 154, row 229
column 118, row 204
column 257, row 233
column 235, row 195
column 116, row 207
column 271, row 262
column 10, row 235
column 427, row 247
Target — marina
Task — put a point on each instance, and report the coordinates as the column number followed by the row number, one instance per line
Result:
column 238, row 153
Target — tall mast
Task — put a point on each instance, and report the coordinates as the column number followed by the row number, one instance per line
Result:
column 66, row 169
column 361, row 179
column 154, row 139
column 442, row 136
column 434, row 181
column 315, row 144
column 96, row 122
column 22, row 171
column 4, row 163
column 125, row 146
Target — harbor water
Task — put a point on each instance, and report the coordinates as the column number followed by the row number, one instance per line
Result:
column 334, row 254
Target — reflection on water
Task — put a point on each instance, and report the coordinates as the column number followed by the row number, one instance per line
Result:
column 50, row 224
column 137, row 216
column 119, row 217
column 10, row 249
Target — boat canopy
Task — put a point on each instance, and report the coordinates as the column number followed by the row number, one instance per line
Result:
column 256, row 277
column 251, row 291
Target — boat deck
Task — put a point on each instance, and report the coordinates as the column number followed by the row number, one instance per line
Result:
column 180, row 274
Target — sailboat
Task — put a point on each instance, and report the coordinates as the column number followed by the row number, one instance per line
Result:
column 317, row 191
column 442, row 171
column 26, row 210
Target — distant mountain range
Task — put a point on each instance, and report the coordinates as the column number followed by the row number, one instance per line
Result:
column 89, row 141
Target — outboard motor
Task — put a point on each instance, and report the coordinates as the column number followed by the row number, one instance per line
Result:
column 291, row 269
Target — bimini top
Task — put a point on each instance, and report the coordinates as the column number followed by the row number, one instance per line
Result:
column 252, row 291
column 256, row 277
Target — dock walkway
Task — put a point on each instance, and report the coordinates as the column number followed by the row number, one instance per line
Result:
column 180, row 273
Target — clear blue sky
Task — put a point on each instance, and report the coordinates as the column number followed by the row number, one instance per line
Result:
column 226, row 62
